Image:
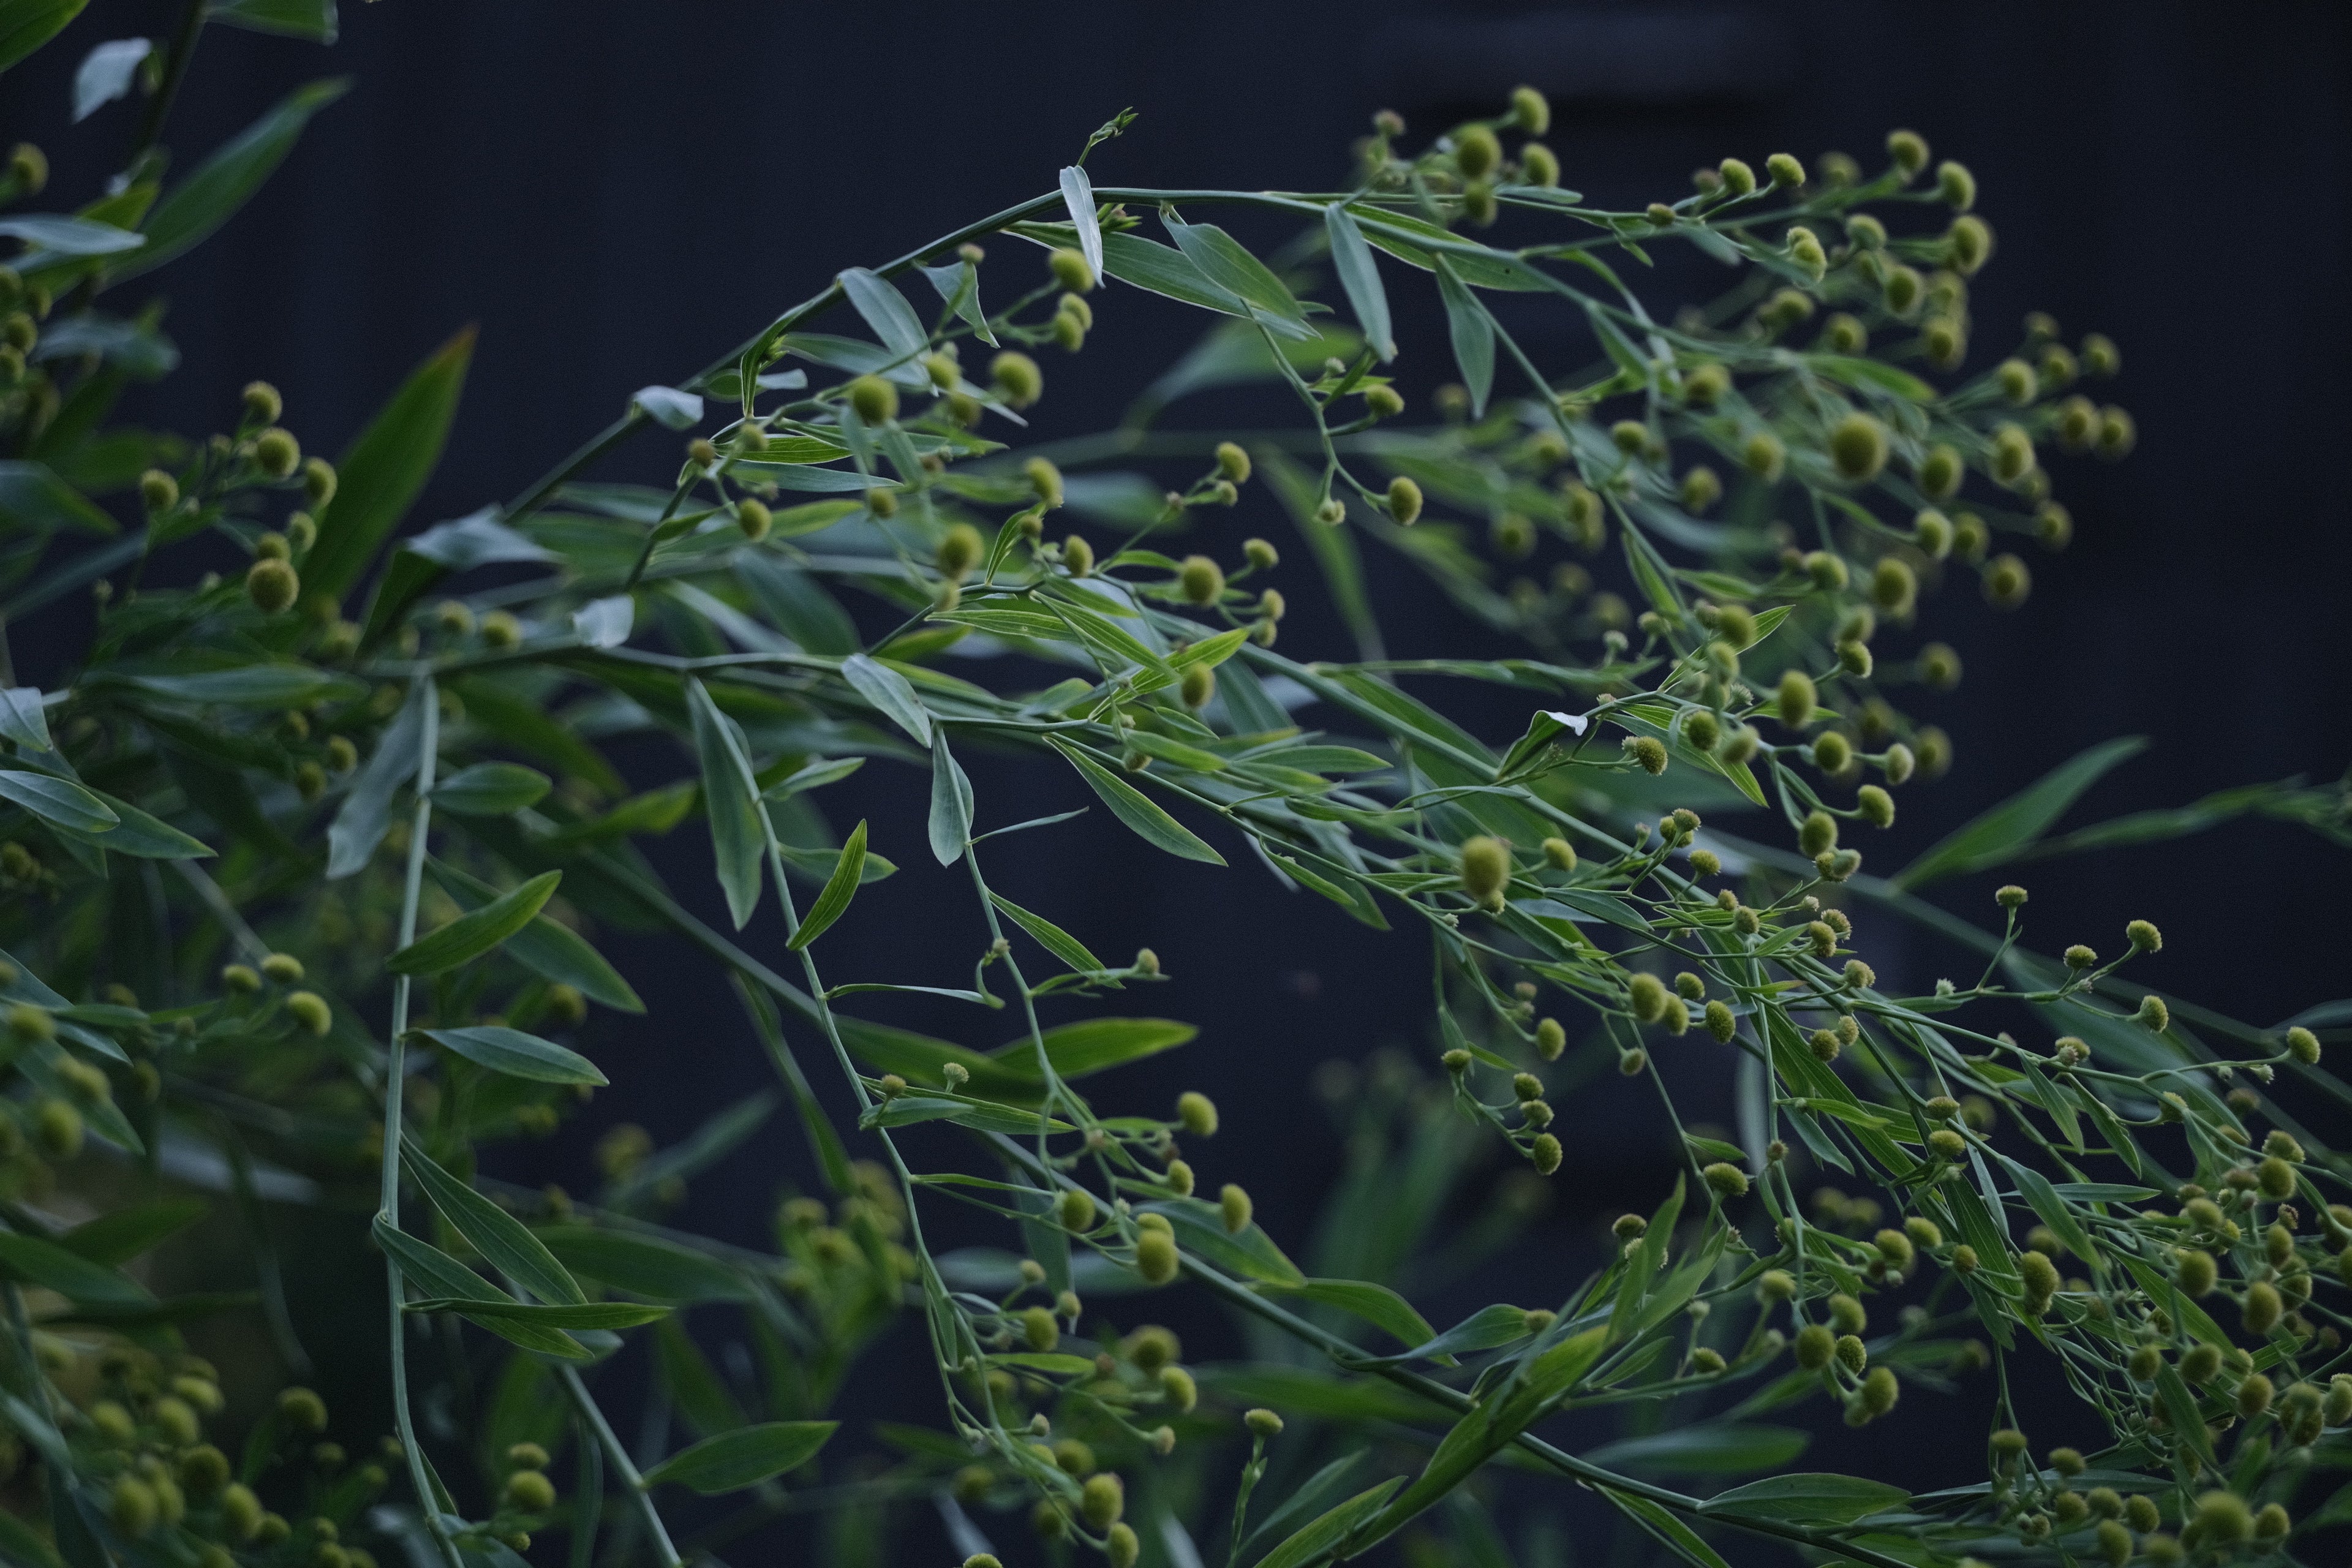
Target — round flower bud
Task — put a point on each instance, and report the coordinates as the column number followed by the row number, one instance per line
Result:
column 1738, row 178
column 1017, row 378
column 1847, row 1314
column 1530, row 110
column 1200, row 580
column 2007, row 581
column 1075, row 1209
column 1805, row 250
column 960, row 550
column 1877, row 805
column 1763, row 456
column 1559, row 854
column 1815, row 1345
column 310, row 1009
column 2275, row 1177
column 1955, row 186
column 1544, row 1154
column 272, row 585
column 1196, row 1113
column 2302, row 1045
column 1070, row 270
column 1404, row 500
column 1968, row 245
column 1234, row 1203
column 1196, row 685
column 1647, row 995
column 275, row 453
column 57, row 1129
column 2195, row 1272
column 133, row 1506
column 1741, row 744
column 528, row 1491
column 1831, row 750
column 302, row 1410
column 1796, row 699
column 2153, row 1015
column 1721, row 1021
column 2261, row 1307
column 1155, row 1256
column 1939, row 472
column 1879, row 1392
column 1727, row 1180
column 1647, row 751
column 158, row 490
column 1700, row 491
column 1538, row 165
column 1858, row 447
column 1850, row 1353
column 1902, row 288
column 282, row 967
column 1486, row 868
column 874, row 400
column 753, row 518
column 1550, row 1039
column 1102, row 1499
column 262, row 403
column 1816, row 833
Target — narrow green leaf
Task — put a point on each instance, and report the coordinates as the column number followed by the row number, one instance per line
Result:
column 1131, row 806
column 733, row 1460
column 501, row 1237
column 24, row 719
column 428, row 1268
column 587, row 1315
column 1670, row 1532
column 313, row 20
column 547, row 948
column 517, row 1054
column 729, row 801
column 643, row 1265
column 1227, row 263
column 1055, row 939
column 27, row 24
column 149, row 838
column 2010, row 828
column 890, row 694
column 694, row 1388
column 491, row 789
column 470, row 936
column 1472, row 333
column 1078, row 196
column 1708, row 1449
column 839, row 889
column 1360, row 277
column 380, row 474
column 1376, row 1304
column 227, row 179
column 1317, row 1539
column 58, row 801
column 886, row 310
column 1831, row 1499
column 116, row 1238
column 76, row 1278
column 32, row 496
column 1087, row 1046
column 365, row 816
column 254, row 686
column 951, row 819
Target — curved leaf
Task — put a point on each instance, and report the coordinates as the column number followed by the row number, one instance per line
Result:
column 503, row 1238
column 1136, row 809
column 839, row 889
column 733, row 1460
column 60, row 801
column 2010, row 827
column 380, row 474
column 227, row 180
column 468, row 937
column 517, row 1054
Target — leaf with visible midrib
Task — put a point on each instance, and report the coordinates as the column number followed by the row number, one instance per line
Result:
column 733, row 1460
column 727, row 802
column 839, row 889
column 470, row 936
column 501, row 1237
column 1136, row 809
column 1360, row 277
column 2012, row 825
column 227, row 180
column 27, row 24
column 549, row 949
column 59, row 801
column 380, row 474
column 517, row 1054
column 1055, row 939
column 1472, row 333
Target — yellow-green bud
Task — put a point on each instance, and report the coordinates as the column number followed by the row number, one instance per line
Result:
column 1071, row 270
column 1234, row 1203
column 1102, row 1499
column 311, row 1010
column 1858, row 447
column 1550, row 1039
column 2263, row 1307
column 1647, row 995
column 1815, row 1345
column 1155, row 1256
column 1545, row 1154
column 2302, row 1045
column 158, row 490
column 958, row 551
column 272, row 585
column 1700, row 490
column 1647, row 751
column 1727, row 1180
column 1017, row 378
column 1078, row 556
column 1538, row 165
column 2007, row 581
column 1196, row 1113
column 1908, row 150
column 1831, row 750
column 1738, row 178
column 1764, row 456
column 2196, row 1272
column 1486, row 868
column 275, row 453
column 753, row 518
column 1404, row 500
column 1475, row 152
column 302, row 1410
column 528, row 1491
column 133, row 1506
column 1200, row 580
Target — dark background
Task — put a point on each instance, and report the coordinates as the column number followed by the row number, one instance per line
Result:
column 617, row 193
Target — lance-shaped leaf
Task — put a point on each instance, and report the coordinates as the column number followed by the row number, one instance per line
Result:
column 34, row 1260
column 730, row 799
column 733, row 1460
column 27, row 24
column 1227, row 263
column 1352, row 258
column 1315, row 1541
column 517, row 1054
column 365, row 816
column 58, row 802
column 548, row 949
column 951, row 820
column 470, row 936
column 491, row 789
column 1133, row 808
column 885, row 310
column 501, row 1237
column 379, row 475
column 1055, row 939
column 839, row 889
column 227, row 179
column 605, row 1315
column 24, row 719
column 890, row 695
column 2010, row 827
column 1473, row 332
column 1078, row 196
column 432, row 1271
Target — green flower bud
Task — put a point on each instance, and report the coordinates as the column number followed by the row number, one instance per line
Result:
column 262, row 403
column 1967, row 244
column 1727, row 1180
column 1939, row 472
column 133, row 1506
column 1538, row 165
column 1796, row 699
column 528, row 1491
column 2153, row 1015
column 1720, row 1022
column 874, row 400
column 272, row 585
column 1908, row 150
column 1102, row 1499
column 1819, row 832
column 1017, row 378
column 1404, row 500
column 1877, row 805
column 1879, row 1392
column 1741, row 744
column 1550, row 1039
column 1850, row 1353
column 275, row 453
column 311, row 1010
column 1738, row 178
column 1070, row 270
column 1902, row 288
column 1559, row 854
column 1155, row 1256
column 958, row 551
column 1476, row 152
column 2195, row 1272
column 1831, row 750
column 1805, row 250
column 1200, row 580
column 1544, row 1154
column 1530, row 110
column 1764, row 456
column 1858, row 447
column 2261, row 1309
column 158, row 490
column 2017, row 380
column 1648, row 750
column 1815, row 1346
column 1705, row 383
column 753, row 518
column 1486, row 868
column 2275, row 1177
column 2007, row 581
column 1700, row 491
column 2302, row 1046
column 1955, row 186
column 1234, row 1203
column 1647, row 995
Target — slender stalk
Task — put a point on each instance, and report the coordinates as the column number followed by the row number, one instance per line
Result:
column 632, row 1480
column 395, row 1080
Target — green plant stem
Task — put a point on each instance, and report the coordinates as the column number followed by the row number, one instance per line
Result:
column 395, row 1077
column 632, row 1480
